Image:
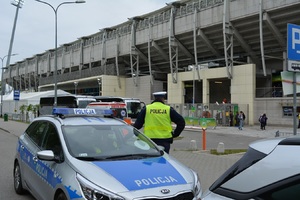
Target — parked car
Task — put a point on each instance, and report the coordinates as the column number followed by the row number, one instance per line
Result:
column 87, row 154
column 270, row 169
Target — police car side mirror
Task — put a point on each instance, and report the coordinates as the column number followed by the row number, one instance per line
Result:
column 161, row 149
column 47, row 155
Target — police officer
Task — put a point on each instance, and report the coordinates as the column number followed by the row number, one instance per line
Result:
column 157, row 118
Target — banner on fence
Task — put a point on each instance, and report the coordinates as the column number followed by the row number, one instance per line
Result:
column 193, row 121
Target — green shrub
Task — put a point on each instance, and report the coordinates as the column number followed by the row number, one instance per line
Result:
column 228, row 151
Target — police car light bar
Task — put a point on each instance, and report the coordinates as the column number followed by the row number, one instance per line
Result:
column 82, row 111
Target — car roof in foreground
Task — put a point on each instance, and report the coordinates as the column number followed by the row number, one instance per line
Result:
column 266, row 162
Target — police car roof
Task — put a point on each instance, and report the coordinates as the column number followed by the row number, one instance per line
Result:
column 91, row 120
column 76, row 116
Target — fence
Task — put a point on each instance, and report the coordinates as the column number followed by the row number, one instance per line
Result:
column 215, row 114
column 284, row 134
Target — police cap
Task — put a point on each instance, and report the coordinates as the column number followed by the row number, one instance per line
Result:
column 159, row 94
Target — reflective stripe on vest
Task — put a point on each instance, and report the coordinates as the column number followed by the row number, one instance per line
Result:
column 158, row 121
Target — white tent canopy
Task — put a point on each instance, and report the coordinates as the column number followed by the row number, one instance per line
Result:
column 11, row 106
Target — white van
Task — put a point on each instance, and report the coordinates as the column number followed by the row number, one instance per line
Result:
column 65, row 101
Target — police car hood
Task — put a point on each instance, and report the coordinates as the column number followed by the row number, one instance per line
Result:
column 139, row 174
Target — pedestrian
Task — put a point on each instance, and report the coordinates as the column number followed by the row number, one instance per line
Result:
column 157, row 119
column 298, row 120
column 230, row 118
column 263, row 121
column 237, row 121
column 241, row 118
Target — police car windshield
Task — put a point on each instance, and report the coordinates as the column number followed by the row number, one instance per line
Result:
column 101, row 142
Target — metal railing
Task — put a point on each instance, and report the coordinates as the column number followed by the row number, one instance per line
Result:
column 283, row 134
column 269, row 92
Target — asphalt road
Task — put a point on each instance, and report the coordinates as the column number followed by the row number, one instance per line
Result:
column 7, row 152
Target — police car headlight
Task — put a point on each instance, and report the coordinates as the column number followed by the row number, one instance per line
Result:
column 197, row 186
column 94, row 192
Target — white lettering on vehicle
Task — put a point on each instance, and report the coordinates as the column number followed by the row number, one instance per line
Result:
column 41, row 171
column 155, row 181
column 84, row 111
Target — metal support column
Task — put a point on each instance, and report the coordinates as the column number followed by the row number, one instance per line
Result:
column 173, row 47
column 81, row 54
column 36, row 74
column 103, row 54
column 63, row 62
column 18, row 4
column 49, row 63
column 18, row 77
column 284, row 64
column 29, row 81
column 91, row 54
column 149, row 51
column 277, row 34
column 261, row 37
column 27, row 77
column 228, row 38
column 117, row 57
column 195, row 42
column 134, row 55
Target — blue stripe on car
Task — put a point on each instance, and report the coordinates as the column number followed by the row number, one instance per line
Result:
column 39, row 167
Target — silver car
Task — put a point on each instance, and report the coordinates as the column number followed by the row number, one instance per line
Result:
column 78, row 154
column 269, row 170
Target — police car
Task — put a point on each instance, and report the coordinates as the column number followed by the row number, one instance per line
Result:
column 85, row 154
column 269, row 170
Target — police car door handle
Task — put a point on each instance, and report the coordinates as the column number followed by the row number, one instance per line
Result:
column 35, row 159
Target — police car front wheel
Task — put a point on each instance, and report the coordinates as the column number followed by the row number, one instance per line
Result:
column 61, row 196
column 18, row 179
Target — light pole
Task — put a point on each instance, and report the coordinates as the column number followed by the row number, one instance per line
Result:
column 2, row 67
column 75, row 84
column 18, row 4
column 55, row 59
column 99, row 83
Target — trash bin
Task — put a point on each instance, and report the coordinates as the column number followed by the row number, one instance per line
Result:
column 5, row 117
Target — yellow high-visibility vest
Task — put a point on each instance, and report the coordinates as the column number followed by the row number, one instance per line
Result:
column 157, row 121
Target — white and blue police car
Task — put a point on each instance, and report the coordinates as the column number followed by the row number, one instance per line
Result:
column 87, row 154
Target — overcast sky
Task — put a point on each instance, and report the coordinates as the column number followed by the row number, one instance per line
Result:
column 35, row 28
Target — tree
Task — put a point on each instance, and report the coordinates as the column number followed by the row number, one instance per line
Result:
column 23, row 109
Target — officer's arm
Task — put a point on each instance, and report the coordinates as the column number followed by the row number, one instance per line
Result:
column 140, row 120
column 178, row 120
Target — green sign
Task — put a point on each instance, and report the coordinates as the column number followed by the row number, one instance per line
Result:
column 206, row 122
column 192, row 121
column 202, row 122
column 193, row 109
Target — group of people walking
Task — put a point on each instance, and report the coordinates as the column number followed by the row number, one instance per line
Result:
column 240, row 119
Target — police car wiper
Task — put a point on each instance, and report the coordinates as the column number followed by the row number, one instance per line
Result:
column 133, row 156
column 90, row 158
